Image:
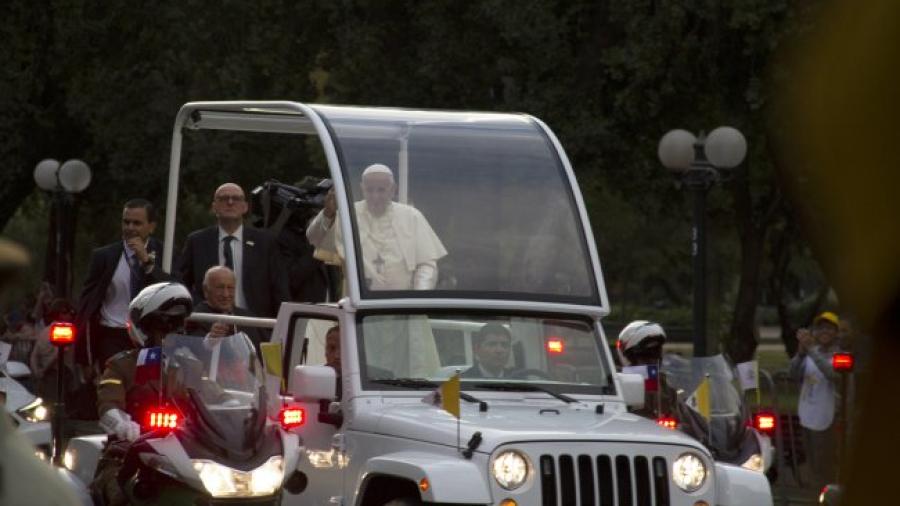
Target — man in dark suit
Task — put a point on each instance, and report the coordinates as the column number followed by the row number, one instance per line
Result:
column 218, row 290
column 252, row 255
column 117, row 272
column 492, row 345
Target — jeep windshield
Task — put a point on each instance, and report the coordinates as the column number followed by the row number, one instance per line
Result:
column 490, row 353
column 483, row 197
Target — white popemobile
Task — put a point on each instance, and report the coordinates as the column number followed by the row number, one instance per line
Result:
column 468, row 249
column 501, row 197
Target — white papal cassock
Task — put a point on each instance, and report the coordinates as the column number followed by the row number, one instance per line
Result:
column 400, row 249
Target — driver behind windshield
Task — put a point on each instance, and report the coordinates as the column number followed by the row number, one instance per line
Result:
column 492, row 345
column 125, row 390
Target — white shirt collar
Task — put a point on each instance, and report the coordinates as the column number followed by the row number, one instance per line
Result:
column 239, row 234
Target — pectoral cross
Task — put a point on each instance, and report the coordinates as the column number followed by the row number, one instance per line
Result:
column 379, row 264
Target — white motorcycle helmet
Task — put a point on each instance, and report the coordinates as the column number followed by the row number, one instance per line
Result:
column 157, row 310
column 639, row 338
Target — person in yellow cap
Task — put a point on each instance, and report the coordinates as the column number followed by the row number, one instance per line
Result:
column 818, row 399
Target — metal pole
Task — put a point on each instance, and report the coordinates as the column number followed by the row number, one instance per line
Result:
column 58, row 410
column 698, row 244
column 841, row 431
column 60, row 261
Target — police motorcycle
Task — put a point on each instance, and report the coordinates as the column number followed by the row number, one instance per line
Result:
column 727, row 433
column 210, row 438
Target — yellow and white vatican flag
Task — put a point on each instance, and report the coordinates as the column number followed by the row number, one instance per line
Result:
column 446, row 396
column 271, row 357
column 699, row 401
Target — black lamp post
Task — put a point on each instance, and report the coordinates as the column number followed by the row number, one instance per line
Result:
column 62, row 181
column 699, row 162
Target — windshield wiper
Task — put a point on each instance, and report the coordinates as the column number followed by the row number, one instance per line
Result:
column 415, row 383
column 519, row 387
column 419, row 383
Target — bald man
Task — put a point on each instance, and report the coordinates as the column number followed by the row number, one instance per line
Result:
column 400, row 249
column 219, row 289
column 252, row 255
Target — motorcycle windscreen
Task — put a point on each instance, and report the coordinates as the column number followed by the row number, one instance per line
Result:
column 469, row 205
column 218, row 387
column 725, row 430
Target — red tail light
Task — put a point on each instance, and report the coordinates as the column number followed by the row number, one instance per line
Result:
column 292, row 417
column 162, row 418
column 667, row 422
column 555, row 345
column 62, row 333
column 842, row 362
column 765, row 422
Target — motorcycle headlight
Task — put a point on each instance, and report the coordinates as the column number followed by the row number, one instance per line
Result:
column 754, row 463
column 35, row 411
column 689, row 472
column 223, row 481
column 510, row 469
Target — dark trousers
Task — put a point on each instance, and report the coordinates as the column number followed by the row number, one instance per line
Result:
column 107, row 342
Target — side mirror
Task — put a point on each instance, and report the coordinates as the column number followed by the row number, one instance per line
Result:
column 313, row 383
column 17, row 370
column 632, row 389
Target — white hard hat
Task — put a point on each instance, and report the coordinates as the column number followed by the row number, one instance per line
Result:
column 639, row 336
column 157, row 310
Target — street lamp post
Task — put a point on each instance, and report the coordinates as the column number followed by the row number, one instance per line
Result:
column 62, row 181
column 700, row 162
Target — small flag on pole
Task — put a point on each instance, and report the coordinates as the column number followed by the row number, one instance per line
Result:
column 748, row 376
column 650, row 374
column 148, row 365
column 699, row 400
column 446, row 396
column 271, row 357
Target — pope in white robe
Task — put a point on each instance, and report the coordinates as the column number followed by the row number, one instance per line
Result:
column 399, row 248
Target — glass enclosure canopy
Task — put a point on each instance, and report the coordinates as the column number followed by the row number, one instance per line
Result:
column 491, row 187
column 459, row 205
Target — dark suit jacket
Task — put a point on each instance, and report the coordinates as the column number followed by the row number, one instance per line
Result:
column 263, row 278
column 104, row 261
column 256, row 334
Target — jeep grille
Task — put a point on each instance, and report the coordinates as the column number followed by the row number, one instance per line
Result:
column 604, row 480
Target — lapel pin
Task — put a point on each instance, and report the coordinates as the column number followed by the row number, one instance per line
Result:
column 249, row 243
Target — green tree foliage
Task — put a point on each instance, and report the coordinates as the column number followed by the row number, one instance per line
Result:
column 103, row 80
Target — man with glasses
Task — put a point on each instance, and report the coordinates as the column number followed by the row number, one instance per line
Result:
column 492, row 345
column 250, row 253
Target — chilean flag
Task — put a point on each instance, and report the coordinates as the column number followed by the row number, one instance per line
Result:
column 650, row 374
column 651, row 380
column 148, row 365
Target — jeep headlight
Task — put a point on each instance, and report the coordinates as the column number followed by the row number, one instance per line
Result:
column 510, row 469
column 35, row 411
column 689, row 472
column 223, row 481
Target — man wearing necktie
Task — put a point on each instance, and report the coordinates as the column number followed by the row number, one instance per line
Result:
column 117, row 272
column 251, row 254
